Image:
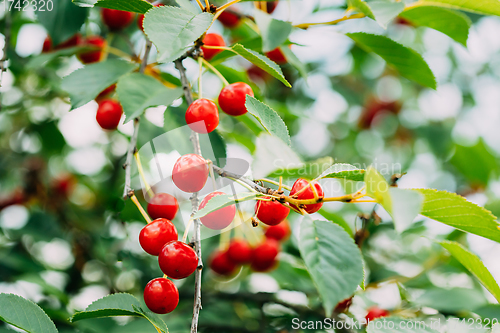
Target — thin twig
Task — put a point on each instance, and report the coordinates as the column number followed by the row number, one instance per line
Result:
column 342, row 19
column 144, row 62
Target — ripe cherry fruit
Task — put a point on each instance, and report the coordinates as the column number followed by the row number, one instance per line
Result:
column 271, row 212
column 212, row 40
column 376, row 312
column 307, row 194
column 71, row 42
column 277, row 56
column 279, row 232
column 229, row 19
column 116, row 19
column 163, row 205
column 270, row 6
column 105, row 93
column 220, row 218
column 190, row 173
column 232, row 98
column 108, row 114
column 88, row 57
column 264, row 255
column 221, row 264
column 177, row 260
column 202, row 116
column 240, row 252
column 156, row 234
column 47, row 45
column 161, row 295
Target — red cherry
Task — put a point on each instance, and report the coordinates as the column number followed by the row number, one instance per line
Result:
column 376, row 312
column 307, row 194
column 229, row 19
column 190, row 173
column 212, row 40
column 271, row 212
column 277, row 56
column 161, row 295
column 156, row 234
column 257, row 73
column 163, row 205
column 271, row 6
column 63, row 185
column 71, row 42
column 103, row 94
column 279, row 232
column 140, row 18
column 47, row 45
column 95, row 55
column 264, row 255
column 108, row 114
column 202, row 116
column 221, row 264
column 232, row 98
column 177, row 260
column 240, row 252
column 343, row 306
column 375, row 107
column 116, row 19
column 220, row 218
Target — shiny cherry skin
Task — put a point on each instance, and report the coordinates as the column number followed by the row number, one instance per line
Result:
column 140, row 18
column 105, row 93
column 221, row 264
column 270, row 6
column 47, row 45
column 233, row 97
column 264, row 255
column 156, row 234
column 161, row 295
column 89, row 57
column 220, row 218
column 212, row 40
column 202, row 116
column 271, row 212
column 109, row 114
column 279, row 232
column 376, row 312
column 229, row 19
column 277, row 56
column 76, row 40
column 116, row 19
column 163, row 205
column 190, row 173
column 177, row 260
column 240, row 252
column 307, row 194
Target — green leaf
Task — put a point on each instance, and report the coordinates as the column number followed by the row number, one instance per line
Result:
column 223, row 200
column 83, row 85
column 39, row 61
column 294, row 61
column 378, row 188
column 262, row 62
column 85, row 3
column 362, row 7
column 136, row 6
column 309, row 170
column 485, row 163
column 274, row 32
column 173, row 30
column 25, row 314
column 63, row 21
column 486, row 7
column 454, row 210
column 343, row 171
column 385, row 11
column 452, row 300
column 138, row 92
column 474, row 265
column 337, row 219
column 398, row 325
column 409, row 63
column 451, row 23
column 333, row 260
column 269, row 119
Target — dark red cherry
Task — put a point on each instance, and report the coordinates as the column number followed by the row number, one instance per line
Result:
column 221, row 264
column 105, row 93
column 279, row 232
column 270, row 6
column 220, row 218
column 116, row 19
column 212, row 40
column 202, row 116
column 88, row 57
column 277, row 56
column 229, row 19
column 240, row 252
column 307, row 194
column 76, row 40
column 156, row 234
column 109, row 114
column 264, row 255
column 271, row 212
column 163, row 205
column 177, row 260
column 190, row 173
column 47, row 45
column 376, row 312
column 232, row 98
column 161, row 295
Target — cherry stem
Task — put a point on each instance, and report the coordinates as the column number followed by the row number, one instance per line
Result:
column 280, row 183
column 313, row 188
column 207, row 5
column 118, row 53
column 215, row 71
column 223, row 8
column 139, row 206
column 345, row 18
column 143, row 176
column 186, row 232
column 200, row 64
column 214, row 184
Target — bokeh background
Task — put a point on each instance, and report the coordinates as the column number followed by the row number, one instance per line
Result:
column 67, row 239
